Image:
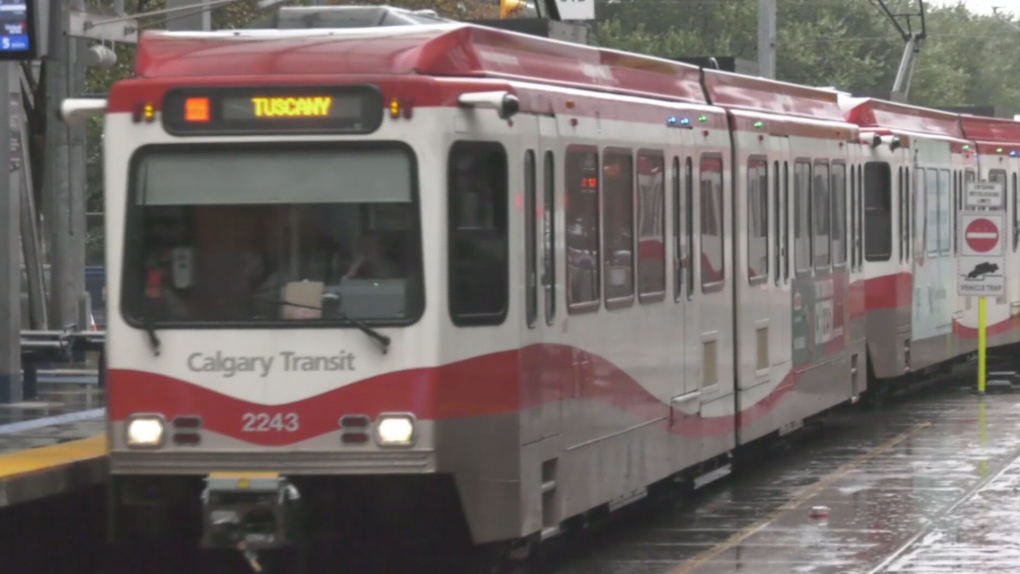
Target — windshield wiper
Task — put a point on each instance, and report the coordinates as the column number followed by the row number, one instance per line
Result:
column 150, row 329
column 383, row 340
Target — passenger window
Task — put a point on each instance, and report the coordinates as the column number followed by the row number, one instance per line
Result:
column 530, row 255
column 712, row 266
column 822, row 213
column 877, row 211
column 582, row 228
column 651, row 226
column 1016, row 220
column 479, row 270
column 920, row 210
column 679, row 239
column 689, row 226
column 618, row 216
column 778, row 224
column 549, row 237
column 838, row 214
column 945, row 226
column 999, row 176
column 853, row 216
column 786, row 221
column 802, row 216
column 932, row 240
column 757, row 220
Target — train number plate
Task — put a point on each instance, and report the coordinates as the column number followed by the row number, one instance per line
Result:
column 265, row 422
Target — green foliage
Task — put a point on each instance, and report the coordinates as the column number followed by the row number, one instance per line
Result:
column 847, row 44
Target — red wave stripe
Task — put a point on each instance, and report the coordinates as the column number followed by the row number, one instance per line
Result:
column 889, row 291
column 995, row 329
column 486, row 385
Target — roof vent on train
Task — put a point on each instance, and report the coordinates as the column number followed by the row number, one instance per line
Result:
column 332, row 17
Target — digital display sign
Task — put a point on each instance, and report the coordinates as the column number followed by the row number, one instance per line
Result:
column 352, row 109
column 17, row 30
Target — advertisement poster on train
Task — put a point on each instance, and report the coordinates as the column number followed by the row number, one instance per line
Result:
column 819, row 317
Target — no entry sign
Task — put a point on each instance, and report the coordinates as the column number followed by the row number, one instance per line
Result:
column 982, row 268
column 981, row 235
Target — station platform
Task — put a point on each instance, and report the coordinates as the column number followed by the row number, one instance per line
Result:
column 928, row 483
column 55, row 444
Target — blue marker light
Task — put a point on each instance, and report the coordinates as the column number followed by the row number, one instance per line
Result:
column 671, row 120
column 685, row 121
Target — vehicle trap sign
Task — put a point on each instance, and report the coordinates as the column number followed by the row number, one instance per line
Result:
column 982, row 270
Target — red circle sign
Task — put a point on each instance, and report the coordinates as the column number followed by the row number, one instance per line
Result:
column 981, row 235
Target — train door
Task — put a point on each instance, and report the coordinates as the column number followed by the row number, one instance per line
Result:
column 712, row 311
column 855, row 315
column 933, row 265
column 761, row 319
column 544, row 367
column 685, row 400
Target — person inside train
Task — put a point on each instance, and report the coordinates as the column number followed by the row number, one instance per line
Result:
column 370, row 261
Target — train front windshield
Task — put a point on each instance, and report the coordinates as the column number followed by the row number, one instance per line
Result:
column 243, row 234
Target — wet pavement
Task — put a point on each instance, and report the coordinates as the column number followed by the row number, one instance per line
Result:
column 927, row 484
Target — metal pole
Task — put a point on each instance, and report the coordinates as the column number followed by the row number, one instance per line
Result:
column 63, row 191
column 10, row 252
column 767, row 38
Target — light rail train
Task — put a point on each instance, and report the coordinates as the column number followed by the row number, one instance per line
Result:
column 381, row 269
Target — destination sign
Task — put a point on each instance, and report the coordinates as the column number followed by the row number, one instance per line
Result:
column 357, row 109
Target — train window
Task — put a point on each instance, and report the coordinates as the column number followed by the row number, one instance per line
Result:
column 688, row 221
column 877, row 211
column 618, row 222
column 909, row 202
column 678, row 233
column 956, row 204
column 802, row 216
column 999, row 176
column 713, row 271
column 931, row 239
column 945, row 213
column 786, row 221
column 478, row 233
column 757, row 220
column 777, row 205
column 582, row 228
column 821, row 210
column 651, row 226
column 530, row 255
column 920, row 210
column 1016, row 227
column 247, row 235
column 549, row 237
column 853, row 216
column 901, row 201
column 838, row 214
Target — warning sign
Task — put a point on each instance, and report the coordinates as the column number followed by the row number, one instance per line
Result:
column 984, row 195
column 982, row 268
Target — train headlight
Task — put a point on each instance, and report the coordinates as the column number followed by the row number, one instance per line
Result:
column 395, row 430
column 145, row 431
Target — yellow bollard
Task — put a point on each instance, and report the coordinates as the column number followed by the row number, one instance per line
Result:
column 981, row 345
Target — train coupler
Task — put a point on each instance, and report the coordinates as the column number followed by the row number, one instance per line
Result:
column 249, row 512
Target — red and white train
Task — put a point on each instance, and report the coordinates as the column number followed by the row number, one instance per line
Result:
column 541, row 278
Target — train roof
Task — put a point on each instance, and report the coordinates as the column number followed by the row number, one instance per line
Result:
column 453, row 50
column 998, row 130
column 462, row 50
column 882, row 114
column 770, row 96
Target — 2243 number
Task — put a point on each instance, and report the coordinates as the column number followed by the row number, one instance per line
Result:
column 264, row 422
